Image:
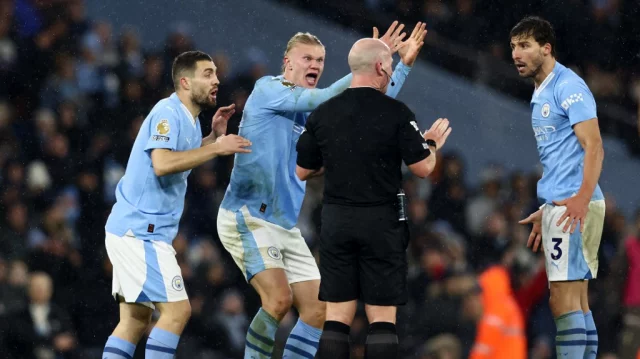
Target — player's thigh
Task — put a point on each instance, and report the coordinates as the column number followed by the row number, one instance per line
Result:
column 253, row 243
column 179, row 311
column 383, row 261
column 273, row 287
column 136, row 314
column 134, row 321
column 339, row 251
column 566, row 256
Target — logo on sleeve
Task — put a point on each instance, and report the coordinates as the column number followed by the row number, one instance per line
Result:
column 576, row 97
column 163, row 127
column 546, row 110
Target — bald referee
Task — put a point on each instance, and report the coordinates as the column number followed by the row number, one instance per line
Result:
column 359, row 140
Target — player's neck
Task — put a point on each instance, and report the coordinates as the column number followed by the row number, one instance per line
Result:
column 545, row 70
column 194, row 109
column 288, row 76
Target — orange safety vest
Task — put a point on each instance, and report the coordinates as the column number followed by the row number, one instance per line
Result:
column 501, row 331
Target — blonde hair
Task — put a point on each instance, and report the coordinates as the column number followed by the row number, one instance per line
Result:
column 304, row 38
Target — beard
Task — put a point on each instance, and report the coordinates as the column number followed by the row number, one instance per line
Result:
column 201, row 98
column 536, row 65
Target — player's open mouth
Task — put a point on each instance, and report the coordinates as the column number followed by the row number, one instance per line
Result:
column 213, row 94
column 520, row 67
column 311, row 79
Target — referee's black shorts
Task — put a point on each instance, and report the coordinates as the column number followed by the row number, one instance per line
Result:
column 363, row 255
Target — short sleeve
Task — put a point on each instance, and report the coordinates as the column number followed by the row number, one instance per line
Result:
column 412, row 145
column 309, row 154
column 576, row 101
column 163, row 132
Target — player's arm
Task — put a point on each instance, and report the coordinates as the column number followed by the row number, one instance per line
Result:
column 580, row 107
column 166, row 162
column 588, row 133
column 309, row 161
column 285, row 96
column 398, row 77
column 163, row 144
column 408, row 51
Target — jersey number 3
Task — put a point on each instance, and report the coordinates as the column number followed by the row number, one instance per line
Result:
column 557, row 251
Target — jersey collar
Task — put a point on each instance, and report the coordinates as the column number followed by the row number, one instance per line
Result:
column 547, row 81
column 175, row 97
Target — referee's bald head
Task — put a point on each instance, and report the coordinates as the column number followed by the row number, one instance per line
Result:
column 366, row 53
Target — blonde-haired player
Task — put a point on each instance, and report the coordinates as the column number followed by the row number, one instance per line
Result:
column 257, row 218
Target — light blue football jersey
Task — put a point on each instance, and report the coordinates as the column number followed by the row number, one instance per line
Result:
column 148, row 205
column 560, row 102
column 274, row 117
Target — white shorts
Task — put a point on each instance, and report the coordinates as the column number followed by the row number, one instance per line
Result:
column 257, row 245
column 574, row 256
column 144, row 272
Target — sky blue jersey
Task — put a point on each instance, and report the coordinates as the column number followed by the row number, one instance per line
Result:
column 148, row 205
column 274, row 117
column 560, row 102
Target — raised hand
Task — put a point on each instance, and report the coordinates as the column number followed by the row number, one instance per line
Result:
column 410, row 48
column 221, row 118
column 393, row 37
column 438, row 132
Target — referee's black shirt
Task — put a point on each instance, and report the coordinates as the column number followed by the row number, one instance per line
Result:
column 361, row 138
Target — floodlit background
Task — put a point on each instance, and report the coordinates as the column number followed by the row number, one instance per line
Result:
column 77, row 78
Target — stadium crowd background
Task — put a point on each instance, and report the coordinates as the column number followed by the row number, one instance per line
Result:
column 73, row 93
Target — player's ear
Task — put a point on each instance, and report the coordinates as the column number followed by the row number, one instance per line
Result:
column 185, row 83
column 547, row 48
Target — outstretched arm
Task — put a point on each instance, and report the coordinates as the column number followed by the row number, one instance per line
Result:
column 286, row 96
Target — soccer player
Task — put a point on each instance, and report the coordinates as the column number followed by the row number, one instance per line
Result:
column 149, row 203
column 569, row 222
column 257, row 218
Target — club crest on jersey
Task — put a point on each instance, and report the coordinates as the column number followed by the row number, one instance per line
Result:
column 546, row 110
column 274, row 253
column 176, row 283
column 163, row 127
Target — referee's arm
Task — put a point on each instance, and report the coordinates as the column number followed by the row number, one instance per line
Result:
column 416, row 154
column 309, row 162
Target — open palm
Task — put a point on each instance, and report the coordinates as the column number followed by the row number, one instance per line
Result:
column 393, row 37
column 410, row 48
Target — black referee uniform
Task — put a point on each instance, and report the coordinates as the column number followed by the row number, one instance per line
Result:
column 361, row 137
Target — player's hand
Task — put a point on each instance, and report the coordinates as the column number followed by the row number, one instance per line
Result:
column 230, row 144
column 221, row 118
column 438, row 132
column 536, row 232
column 393, row 37
column 576, row 212
column 410, row 48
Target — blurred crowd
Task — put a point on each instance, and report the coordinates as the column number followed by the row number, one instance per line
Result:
column 73, row 94
column 595, row 38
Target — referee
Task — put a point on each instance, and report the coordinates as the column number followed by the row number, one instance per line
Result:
column 359, row 139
